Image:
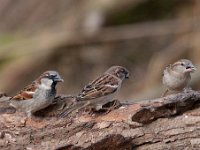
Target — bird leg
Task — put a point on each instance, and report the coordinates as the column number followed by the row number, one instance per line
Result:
column 109, row 106
column 164, row 94
column 29, row 114
column 116, row 104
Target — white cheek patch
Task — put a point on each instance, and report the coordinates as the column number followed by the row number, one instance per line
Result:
column 45, row 86
column 46, row 83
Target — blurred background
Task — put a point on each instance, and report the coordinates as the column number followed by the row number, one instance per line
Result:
column 83, row 38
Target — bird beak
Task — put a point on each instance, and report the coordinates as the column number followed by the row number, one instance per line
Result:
column 127, row 76
column 191, row 68
column 58, row 79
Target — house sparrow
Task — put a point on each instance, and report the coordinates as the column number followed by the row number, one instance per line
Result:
column 104, row 88
column 99, row 91
column 176, row 77
column 37, row 95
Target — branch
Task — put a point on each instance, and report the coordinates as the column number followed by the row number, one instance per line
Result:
column 165, row 123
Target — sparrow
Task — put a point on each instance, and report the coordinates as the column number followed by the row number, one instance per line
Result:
column 38, row 95
column 100, row 91
column 104, row 88
column 176, row 77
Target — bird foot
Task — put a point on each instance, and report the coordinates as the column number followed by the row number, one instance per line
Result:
column 187, row 90
column 108, row 107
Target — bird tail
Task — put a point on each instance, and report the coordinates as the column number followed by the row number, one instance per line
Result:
column 5, row 107
column 76, row 107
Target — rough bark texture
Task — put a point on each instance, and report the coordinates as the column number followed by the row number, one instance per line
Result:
column 172, row 122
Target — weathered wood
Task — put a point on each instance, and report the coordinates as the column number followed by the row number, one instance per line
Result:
column 171, row 122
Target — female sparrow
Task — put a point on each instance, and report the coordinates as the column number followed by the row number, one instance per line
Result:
column 177, row 76
column 37, row 95
column 105, row 87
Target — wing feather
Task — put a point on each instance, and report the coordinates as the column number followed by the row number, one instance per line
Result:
column 102, row 86
column 26, row 93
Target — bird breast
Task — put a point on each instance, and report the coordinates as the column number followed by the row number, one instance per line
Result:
column 175, row 81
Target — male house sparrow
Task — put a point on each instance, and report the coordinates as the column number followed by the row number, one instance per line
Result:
column 105, row 87
column 176, row 77
column 38, row 95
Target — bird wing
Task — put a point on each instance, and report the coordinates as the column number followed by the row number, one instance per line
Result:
column 102, row 86
column 26, row 93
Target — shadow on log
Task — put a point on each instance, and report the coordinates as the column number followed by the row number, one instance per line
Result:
column 171, row 122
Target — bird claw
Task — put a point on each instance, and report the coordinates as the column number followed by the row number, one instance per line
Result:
column 108, row 107
column 187, row 89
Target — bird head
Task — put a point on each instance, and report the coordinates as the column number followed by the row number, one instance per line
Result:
column 118, row 71
column 184, row 66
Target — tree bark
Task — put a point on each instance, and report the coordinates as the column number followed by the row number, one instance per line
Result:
column 171, row 122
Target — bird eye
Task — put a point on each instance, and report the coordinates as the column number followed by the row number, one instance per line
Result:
column 122, row 70
column 53, row 75
column 48, row 76
column 182, row 64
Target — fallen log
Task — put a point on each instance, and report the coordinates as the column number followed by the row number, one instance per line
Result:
column 171, row 122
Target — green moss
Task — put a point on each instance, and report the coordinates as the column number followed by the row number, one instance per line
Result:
column 146, row 11
column 6, row 39
column 4, row 62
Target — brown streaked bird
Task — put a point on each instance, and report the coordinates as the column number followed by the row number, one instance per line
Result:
column 100, row 91
column 177, row 76
column 38, row 95
column 104, row 88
